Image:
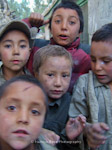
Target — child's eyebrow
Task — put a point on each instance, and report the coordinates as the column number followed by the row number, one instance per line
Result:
column 69, row 16
column 17, row 100
column 7, row 41
column 22, row 40
column 12, row 41
column 74, row 17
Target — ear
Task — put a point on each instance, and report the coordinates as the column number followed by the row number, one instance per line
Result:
column 79, row 34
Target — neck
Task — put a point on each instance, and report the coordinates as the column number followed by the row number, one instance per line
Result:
column 8, row 74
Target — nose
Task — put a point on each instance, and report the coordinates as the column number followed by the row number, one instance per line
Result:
column 64, row 25
column 58, row 81
column 15, row 50
column 98, row 65
column 23, row 117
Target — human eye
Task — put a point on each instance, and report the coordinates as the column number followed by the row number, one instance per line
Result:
column 93, row 59
column 35, row 112
column 23, row 46
column 11, row 108
column 50, row 74
column 57, row 21
column 65, row 75
column 7, row 46
column 106, row 61
column 71, row 22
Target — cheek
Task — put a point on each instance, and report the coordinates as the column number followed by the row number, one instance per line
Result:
column 5, row 56
column 66, row 83
column 5, row 124
column 26, row 55
column 37, row 127
column 108, row 69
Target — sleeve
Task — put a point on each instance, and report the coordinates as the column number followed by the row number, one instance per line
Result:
column 78, row 103
column 26, row 20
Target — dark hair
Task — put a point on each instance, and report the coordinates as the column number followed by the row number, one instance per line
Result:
column 103, row 34
column 50, row 51
column 71, row 5
column 24, row 78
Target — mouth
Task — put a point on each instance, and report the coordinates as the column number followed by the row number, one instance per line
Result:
column 21, row 132
column 63, row 37
column 57, row 92
column 101, row 76
column 16, row 61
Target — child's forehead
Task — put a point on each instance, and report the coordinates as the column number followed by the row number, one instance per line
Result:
column 59, row 58
column 21, row 89
column 101, row 48
column 56, row 62
column 22, row 86
column 68, row 10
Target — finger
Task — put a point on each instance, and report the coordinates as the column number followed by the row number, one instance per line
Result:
column 46, row 22
column 104, row 126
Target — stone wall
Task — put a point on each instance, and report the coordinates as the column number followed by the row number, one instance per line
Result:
column 99, row 13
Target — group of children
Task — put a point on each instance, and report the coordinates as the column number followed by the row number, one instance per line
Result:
column 41, row 110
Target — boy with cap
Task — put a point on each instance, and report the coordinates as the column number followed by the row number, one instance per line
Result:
column 22, row 115
column 15, row 40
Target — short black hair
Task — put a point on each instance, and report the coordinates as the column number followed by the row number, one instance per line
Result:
column 24, row 78
column 71, row 5
column 103, row 34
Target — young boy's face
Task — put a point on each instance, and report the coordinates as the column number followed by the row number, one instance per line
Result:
column 101, row 61
column 22, row 111
column 55, row 75
column 14, row 50
column 65, row 26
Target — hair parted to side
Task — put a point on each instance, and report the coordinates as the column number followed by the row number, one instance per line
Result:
column 49, row 51
column 23, row 78
column 103, row 34
column 70, row 4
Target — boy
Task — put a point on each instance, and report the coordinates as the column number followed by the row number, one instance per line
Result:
column 15, row 46
column 22, row 114
column 66, row 29
column 53, row 68
column 92, row 95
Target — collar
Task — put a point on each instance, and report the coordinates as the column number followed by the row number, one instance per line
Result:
column 25, row 70
column 57, row 102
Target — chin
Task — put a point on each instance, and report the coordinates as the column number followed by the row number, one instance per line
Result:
column 19, row 145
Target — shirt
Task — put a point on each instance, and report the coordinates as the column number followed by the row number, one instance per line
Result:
column 94, row 101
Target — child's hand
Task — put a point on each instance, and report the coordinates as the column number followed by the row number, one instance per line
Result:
column 75, row 126
column 94, row 133
column 37, row 20
column 50, row 136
